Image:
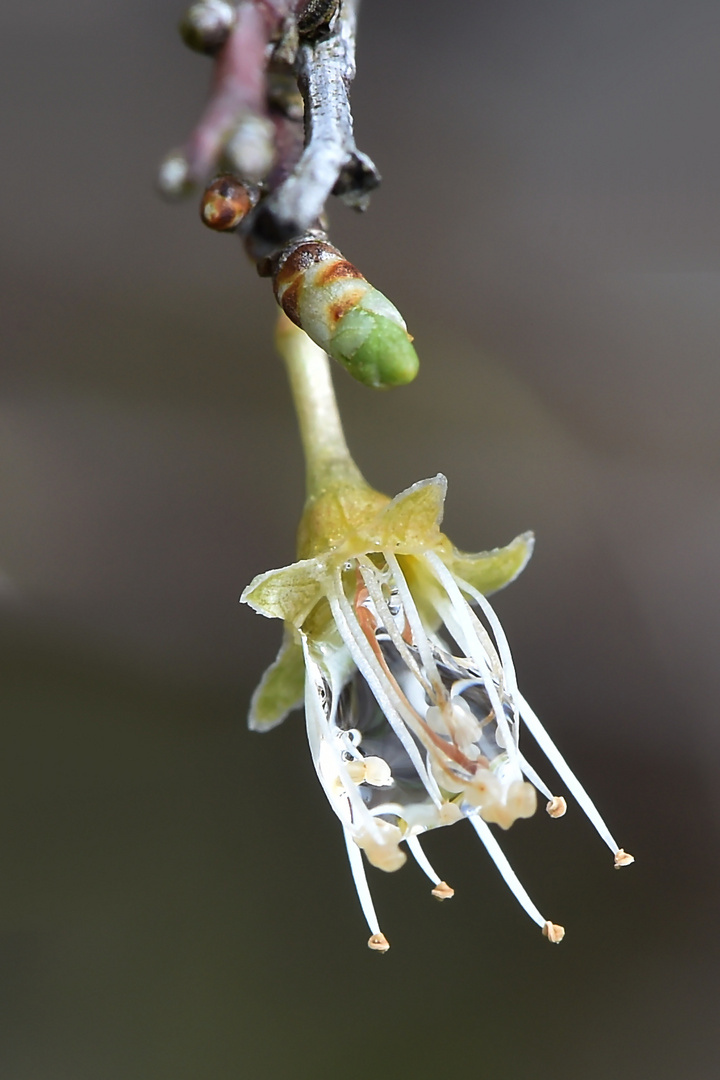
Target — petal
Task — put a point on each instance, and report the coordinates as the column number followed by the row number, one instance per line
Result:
column 281, row 688
column 489, row 571
column 411, row 521
column 289, row 593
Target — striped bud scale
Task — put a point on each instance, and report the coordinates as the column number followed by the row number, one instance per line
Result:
column 225, row 203
column 330, row 300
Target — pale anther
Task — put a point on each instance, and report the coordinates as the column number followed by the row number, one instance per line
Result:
column 623, row 858
column 443, row 891
column 557, row 806
column 378, row 943
column 553, row 932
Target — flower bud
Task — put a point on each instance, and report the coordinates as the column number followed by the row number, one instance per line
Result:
column 206, row 25
column 174, row 176
column 328, row 298
column 225, row 203
column 250, row 149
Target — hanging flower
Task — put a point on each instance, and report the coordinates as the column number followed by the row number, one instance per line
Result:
column 412, row 706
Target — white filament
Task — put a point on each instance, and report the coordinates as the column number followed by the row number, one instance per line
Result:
column 363, row 889
column 368, row 575
column 461, row 610
column 534, row 778
column 510, row 877
column 497, row 629
column 413, row 616
column 321, row 739
column 366, row 662
column 421, row 858
column 564, row 771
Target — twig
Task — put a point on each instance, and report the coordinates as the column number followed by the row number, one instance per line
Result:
column 330, row 162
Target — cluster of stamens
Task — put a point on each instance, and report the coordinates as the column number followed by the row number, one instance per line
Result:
column 414, row 723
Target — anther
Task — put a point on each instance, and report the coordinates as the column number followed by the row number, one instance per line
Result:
column 556, row 807
column 623, row 858
column 553, row 932
column 378, row 943
column 443, row 891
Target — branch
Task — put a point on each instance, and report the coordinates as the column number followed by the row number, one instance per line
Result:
column 330, row 162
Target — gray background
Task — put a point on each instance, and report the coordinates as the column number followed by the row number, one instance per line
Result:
column 175, row 901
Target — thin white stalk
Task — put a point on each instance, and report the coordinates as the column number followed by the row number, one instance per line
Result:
column 366, row 663
column 321, row 734
column 421, row 859
column 534, row 778
column 418, row 630
column 368, row 573
column 511, row 879
column 363, row 889
column 459, row 611
column 497, row 629
column 564, row 771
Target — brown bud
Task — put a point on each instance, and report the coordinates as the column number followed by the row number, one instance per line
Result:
column 225, row 203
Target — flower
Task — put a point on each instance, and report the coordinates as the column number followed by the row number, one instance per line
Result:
column 412, row 706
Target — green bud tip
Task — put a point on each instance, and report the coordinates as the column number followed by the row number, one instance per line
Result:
column 374, row 349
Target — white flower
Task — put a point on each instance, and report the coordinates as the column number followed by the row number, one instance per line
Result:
column 411, row 701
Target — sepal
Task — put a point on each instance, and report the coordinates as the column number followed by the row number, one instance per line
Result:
column 410, row 523
column 488, row 571
column 289, row 593
column 282, row 687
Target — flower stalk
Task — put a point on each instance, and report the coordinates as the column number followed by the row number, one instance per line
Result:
column 328, row 463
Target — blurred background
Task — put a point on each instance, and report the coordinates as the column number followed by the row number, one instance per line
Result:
column 175, row 899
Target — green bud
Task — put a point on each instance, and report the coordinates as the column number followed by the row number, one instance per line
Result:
column 374, row 349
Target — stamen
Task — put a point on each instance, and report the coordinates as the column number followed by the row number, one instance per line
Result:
column 497, row 629
column 363, row 890
column 564, row 771
column 510, row 877
column 534, row 778
column 362, row 654
column 461, row 612
column 553, row 932
column 418, row 630
column 623, row 858
column 322, row 740
column 442, row 890
column 368, row 575
column 469, row 621
column 556, row 806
